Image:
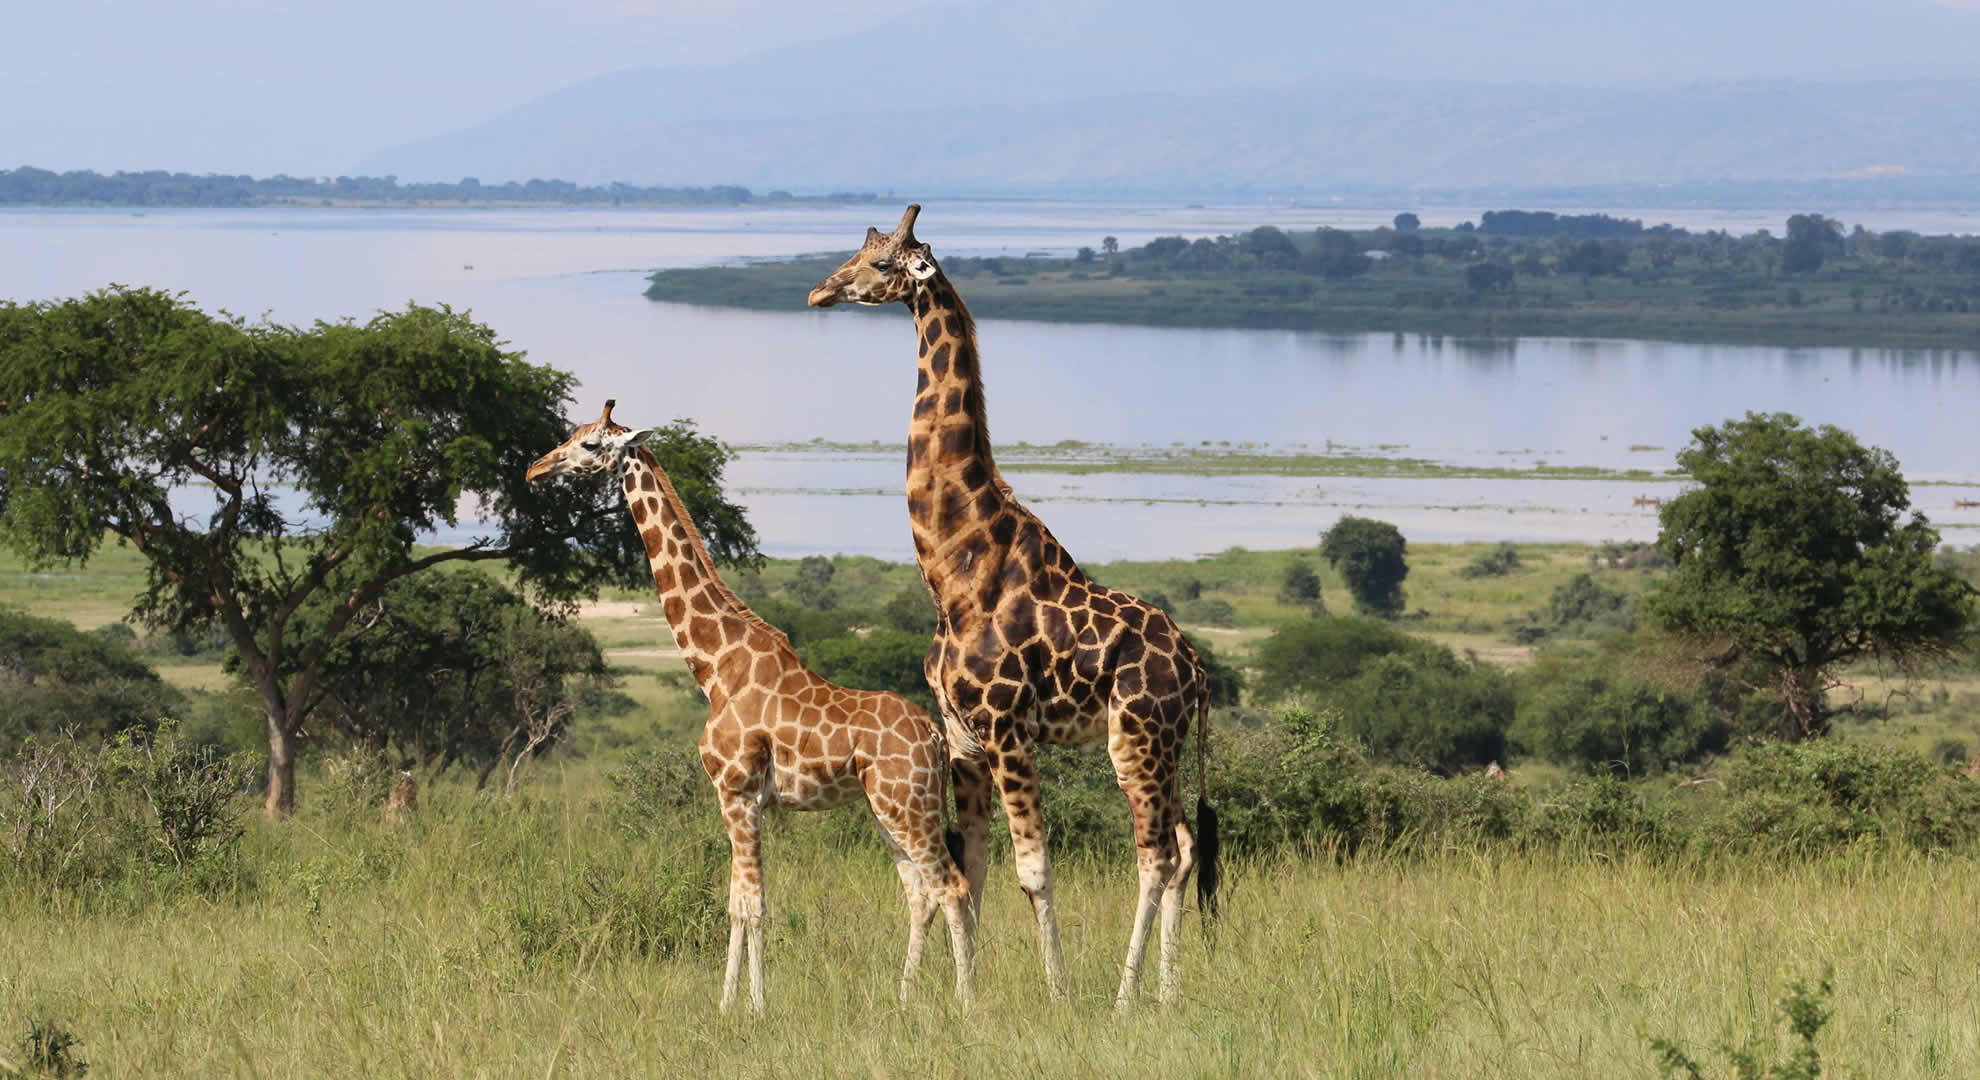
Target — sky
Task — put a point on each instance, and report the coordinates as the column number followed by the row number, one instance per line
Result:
column 312, row 87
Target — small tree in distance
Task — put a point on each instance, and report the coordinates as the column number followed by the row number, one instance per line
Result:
column 1407, row 222
column 1792, row 558
column 1369, row 555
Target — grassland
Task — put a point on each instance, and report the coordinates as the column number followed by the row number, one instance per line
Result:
column 546, row 936
column 360, row 950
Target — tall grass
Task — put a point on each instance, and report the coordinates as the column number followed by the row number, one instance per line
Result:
column 550, row 936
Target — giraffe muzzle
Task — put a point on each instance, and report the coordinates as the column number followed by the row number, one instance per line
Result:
column 824, row 294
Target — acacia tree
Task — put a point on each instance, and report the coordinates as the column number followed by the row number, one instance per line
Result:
column 260, row 468
column 1792, row 558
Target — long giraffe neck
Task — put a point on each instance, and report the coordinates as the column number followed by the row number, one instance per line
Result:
column 961, row 512
column 705, row 615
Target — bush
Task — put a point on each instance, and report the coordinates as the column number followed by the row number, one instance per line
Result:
column 1583, row 607
column 141, row 818
column 1209, row 611
column 1808, row 798
column 1370, row 557
column 654, row 788
column 1406, row 699
column 1591, row 710
column 1498, row 562
column 1300, row 587
column 54, row 677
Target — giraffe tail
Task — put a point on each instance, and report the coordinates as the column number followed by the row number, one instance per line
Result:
column 1208, row 873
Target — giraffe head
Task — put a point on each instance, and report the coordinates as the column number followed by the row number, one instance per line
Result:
column 885, row 269
column 594, row 447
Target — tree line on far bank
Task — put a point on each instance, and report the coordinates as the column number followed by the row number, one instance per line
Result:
column 29, row 186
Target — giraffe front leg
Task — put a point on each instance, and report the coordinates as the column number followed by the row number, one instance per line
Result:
column 1016, row 779
column 743, row 815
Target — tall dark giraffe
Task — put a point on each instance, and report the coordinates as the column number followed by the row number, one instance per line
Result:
column 1028, row 649
column 777, row 734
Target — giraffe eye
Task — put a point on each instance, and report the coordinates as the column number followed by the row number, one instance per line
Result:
column 883, row 264
column 592, row 445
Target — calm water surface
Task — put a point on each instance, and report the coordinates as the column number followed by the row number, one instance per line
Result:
column 564, row 285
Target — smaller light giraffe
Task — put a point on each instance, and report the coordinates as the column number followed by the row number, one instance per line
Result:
column 777, row 734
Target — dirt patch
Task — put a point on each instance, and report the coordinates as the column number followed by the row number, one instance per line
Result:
column 615, row 609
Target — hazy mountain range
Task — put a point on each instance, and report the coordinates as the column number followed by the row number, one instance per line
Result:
column 1034, row 98
column 1435, row 135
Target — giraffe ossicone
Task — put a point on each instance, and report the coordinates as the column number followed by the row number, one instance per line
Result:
column 1028, row 649
column 777, row 733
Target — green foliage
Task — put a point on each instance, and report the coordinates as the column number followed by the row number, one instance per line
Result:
column 1817, row 797
column 1226, row 678
column 1584, row 607
column 1301, row 585
column 1597, row 711
column 603, row 907
column 653, row 788
column 1806, row 1011
column 1790, row 551
column 56, row 678
column 1811, row 239
column 143, row 815
column 49, row 1048
column 1498, row 562
column 1406, row 699
column 456, row 668
column 910, row 611
column 325, row 454
column 882, row 659
column 813, row 585
column 1208, row 611
column 1369, row 555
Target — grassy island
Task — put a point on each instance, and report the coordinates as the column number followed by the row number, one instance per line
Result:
column 1515, row 274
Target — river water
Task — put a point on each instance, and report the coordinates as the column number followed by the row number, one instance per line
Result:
column 565, row 286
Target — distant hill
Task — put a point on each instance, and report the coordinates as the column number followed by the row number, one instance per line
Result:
column 1438, row 136
column 1018, row 99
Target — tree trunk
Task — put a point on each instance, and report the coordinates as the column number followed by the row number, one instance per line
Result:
column 1802, row 697
column 281, row 767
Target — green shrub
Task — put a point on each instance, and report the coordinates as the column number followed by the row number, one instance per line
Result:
column 1498, row 562
column 1407, row 700
column 653, row 790
column 1583, row 607
column 1594, row 711
column 138, row 819
column 54, row 677
column 1208, row 611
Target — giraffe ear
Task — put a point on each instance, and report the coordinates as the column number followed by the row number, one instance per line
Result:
column 638, row 437
column 921, row 264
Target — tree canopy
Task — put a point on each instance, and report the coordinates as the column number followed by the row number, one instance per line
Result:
column 260, row 468
column 1793, row 552
column 1369, row 555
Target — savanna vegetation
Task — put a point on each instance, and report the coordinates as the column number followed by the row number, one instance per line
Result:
column 1530, row 810
column 1512, row 273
